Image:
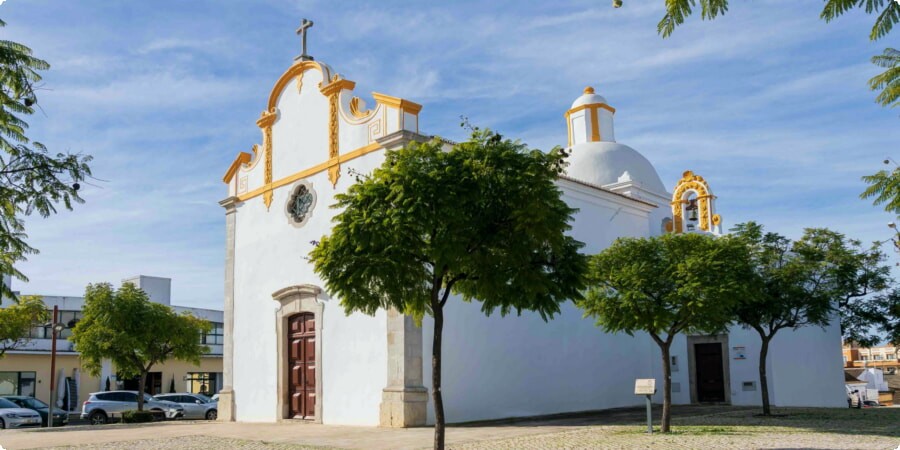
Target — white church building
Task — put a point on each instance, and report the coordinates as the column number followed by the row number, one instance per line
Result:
column 290, row 352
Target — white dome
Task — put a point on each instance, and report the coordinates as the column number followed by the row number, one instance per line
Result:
column 601, row 163
column 588, row 98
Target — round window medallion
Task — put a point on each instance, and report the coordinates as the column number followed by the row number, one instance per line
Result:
column 300, row 204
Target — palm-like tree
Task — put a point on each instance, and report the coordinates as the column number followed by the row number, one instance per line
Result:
column 884, row 187
column 889, row 81
column 888, row 12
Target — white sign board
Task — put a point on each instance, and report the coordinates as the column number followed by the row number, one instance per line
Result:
column 645, row 386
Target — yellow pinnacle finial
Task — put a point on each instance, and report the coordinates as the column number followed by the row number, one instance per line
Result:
column 588, row 90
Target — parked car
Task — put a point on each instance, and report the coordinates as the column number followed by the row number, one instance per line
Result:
column 196, row 406
column 14, row 416
column 100, row 407
column 60, row 418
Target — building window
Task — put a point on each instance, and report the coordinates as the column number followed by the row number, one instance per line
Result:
column 891, row 356
column 216, row 335
column 202, row 383
column 864, row 358
column 67, row 318
column 877, row 357
column 17, row 383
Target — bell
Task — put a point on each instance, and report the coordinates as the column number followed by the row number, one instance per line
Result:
column 692, row 214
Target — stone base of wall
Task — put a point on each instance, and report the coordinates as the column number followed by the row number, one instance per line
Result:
column 404, row 407
column 226, row 406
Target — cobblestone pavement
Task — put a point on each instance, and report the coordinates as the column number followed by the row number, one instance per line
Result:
column 706, row 428
column 619, row 437
column 190, row 443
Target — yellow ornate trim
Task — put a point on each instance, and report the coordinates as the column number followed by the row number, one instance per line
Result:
column 591, row 106
column 358, row 113
column 397, row 102
column 336, row 85
column 295, row 71
column 265, row 121
column 695, row 183
column 333, row 137
column 595, row 125
column 349, row 156
column 593, row 110
column 241, row 159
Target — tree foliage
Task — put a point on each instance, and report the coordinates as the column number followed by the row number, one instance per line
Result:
column 791, row 290
column 887, row 82
column 483, row 220
column 125, row 327
column 884, row 189
column 887, row 11
column 855, row 278
column 666, row 285
column 16, row 321
column 31, row 179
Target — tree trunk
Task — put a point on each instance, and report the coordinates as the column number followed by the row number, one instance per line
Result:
column 438, row 312
column 666, row 421
column 763, row 379
column 140, row 399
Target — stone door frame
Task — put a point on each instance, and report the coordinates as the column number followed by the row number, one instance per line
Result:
column 297, row 299
column 721, row 339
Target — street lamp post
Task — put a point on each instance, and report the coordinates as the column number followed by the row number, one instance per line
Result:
column 55, row 328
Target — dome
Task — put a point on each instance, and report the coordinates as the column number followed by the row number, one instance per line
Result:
column 602, row 163
column 588, row 98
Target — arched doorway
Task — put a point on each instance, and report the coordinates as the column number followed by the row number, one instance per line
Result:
column 301, row 363
column 298, row 325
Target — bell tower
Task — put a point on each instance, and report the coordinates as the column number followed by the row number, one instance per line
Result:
column 693, row 207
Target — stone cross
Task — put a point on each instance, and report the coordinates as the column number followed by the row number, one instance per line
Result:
column 304, row 25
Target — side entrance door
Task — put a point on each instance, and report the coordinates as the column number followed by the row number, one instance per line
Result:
column 710, row 372
column 302, row 366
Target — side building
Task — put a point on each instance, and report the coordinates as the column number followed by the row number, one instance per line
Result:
column 26, row 370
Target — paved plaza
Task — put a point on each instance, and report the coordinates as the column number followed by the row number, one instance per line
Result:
column 694, row 428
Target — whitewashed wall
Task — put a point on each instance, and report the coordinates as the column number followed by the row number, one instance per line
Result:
column 270, row 255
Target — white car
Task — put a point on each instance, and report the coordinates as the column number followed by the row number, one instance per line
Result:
column 196, row 406
column 13, row 416
column 101, row 406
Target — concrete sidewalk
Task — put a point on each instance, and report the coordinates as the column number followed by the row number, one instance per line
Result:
column 349, row 437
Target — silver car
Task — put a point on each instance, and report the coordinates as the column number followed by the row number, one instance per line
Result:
column 13, row 416
column 196, row 406
column 100, row 407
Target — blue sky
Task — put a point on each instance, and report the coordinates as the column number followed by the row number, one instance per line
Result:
column 769, row 103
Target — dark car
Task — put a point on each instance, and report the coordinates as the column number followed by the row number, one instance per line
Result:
column 60, row 418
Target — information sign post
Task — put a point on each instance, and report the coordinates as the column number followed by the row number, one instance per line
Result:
column 646, row 387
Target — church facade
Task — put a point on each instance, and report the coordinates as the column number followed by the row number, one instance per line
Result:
column 291, row 353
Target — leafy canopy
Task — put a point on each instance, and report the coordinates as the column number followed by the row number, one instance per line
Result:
column 16, row 321
column 792, row 287
column 853, row 278
column 665, row 285
column 126, row 327
column 483, row 219
column 31, row 179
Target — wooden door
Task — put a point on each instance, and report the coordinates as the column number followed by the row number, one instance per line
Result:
column 710, row 372
column 302, row 366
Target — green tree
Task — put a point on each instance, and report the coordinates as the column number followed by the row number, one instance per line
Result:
column 483, row 220
column 666, row 285
column 125, row 327
column 31, row 179
column 888, row 12
column 17, row 320
column 790, row 291
column 854, row 280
